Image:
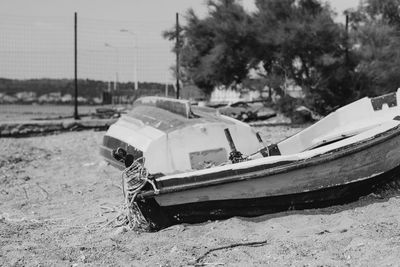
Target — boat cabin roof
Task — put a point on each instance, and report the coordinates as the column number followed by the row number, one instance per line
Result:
column 168, row 115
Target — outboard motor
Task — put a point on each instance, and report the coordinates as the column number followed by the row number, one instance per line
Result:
column 121, row 155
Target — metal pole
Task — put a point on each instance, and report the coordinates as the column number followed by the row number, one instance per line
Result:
column 166, row 84
column 177, row 48
column 116, row 81
column 117, row 69
column 76, row 116
column 230, row 140
column 136, row 64
column 347, row 40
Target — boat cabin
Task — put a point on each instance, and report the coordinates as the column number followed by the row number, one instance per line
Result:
column 175, row 137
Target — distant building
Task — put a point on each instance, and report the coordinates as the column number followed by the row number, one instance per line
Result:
column 118, row 97
column 26, row 97
column 295, row 91
column 250, row 95
column 67, row 98
column 54, row 97
column 82, row 100
column 224, row 95
column 7, row 99
column 97, row 100
column 44, row 99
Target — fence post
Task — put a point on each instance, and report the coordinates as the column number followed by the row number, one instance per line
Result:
column 76, row 116
column 177, row 56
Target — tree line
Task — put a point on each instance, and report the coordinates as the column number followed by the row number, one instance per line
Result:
column 296, row 40
column 87, row 88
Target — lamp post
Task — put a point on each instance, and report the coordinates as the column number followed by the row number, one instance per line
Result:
column 135, row 77
column 117, row 61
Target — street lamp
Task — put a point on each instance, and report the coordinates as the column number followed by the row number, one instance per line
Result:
column 117, row 61
column 134, row 54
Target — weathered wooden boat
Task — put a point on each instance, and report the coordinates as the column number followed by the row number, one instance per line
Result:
column 336, row 160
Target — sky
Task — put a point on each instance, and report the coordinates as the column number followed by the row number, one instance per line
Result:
column 117, row 39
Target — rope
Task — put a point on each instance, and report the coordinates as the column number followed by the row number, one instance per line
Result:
column 134, row 178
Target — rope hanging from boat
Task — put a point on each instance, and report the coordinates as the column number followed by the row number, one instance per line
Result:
column 134, row 178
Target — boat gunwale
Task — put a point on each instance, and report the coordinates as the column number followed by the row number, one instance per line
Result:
column 297, row 164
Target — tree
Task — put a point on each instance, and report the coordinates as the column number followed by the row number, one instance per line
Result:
column 300, row 40
column 216, row 49
column 295, row 40
column 386, row 11
column 376, row 42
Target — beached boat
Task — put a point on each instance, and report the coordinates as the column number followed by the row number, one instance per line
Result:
column 336, row 160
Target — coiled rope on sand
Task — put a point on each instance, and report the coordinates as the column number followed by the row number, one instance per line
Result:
column 133, row 179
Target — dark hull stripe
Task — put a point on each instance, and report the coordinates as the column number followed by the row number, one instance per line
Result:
column 161, row 217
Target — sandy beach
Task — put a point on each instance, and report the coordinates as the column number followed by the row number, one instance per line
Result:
column 57, row 197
